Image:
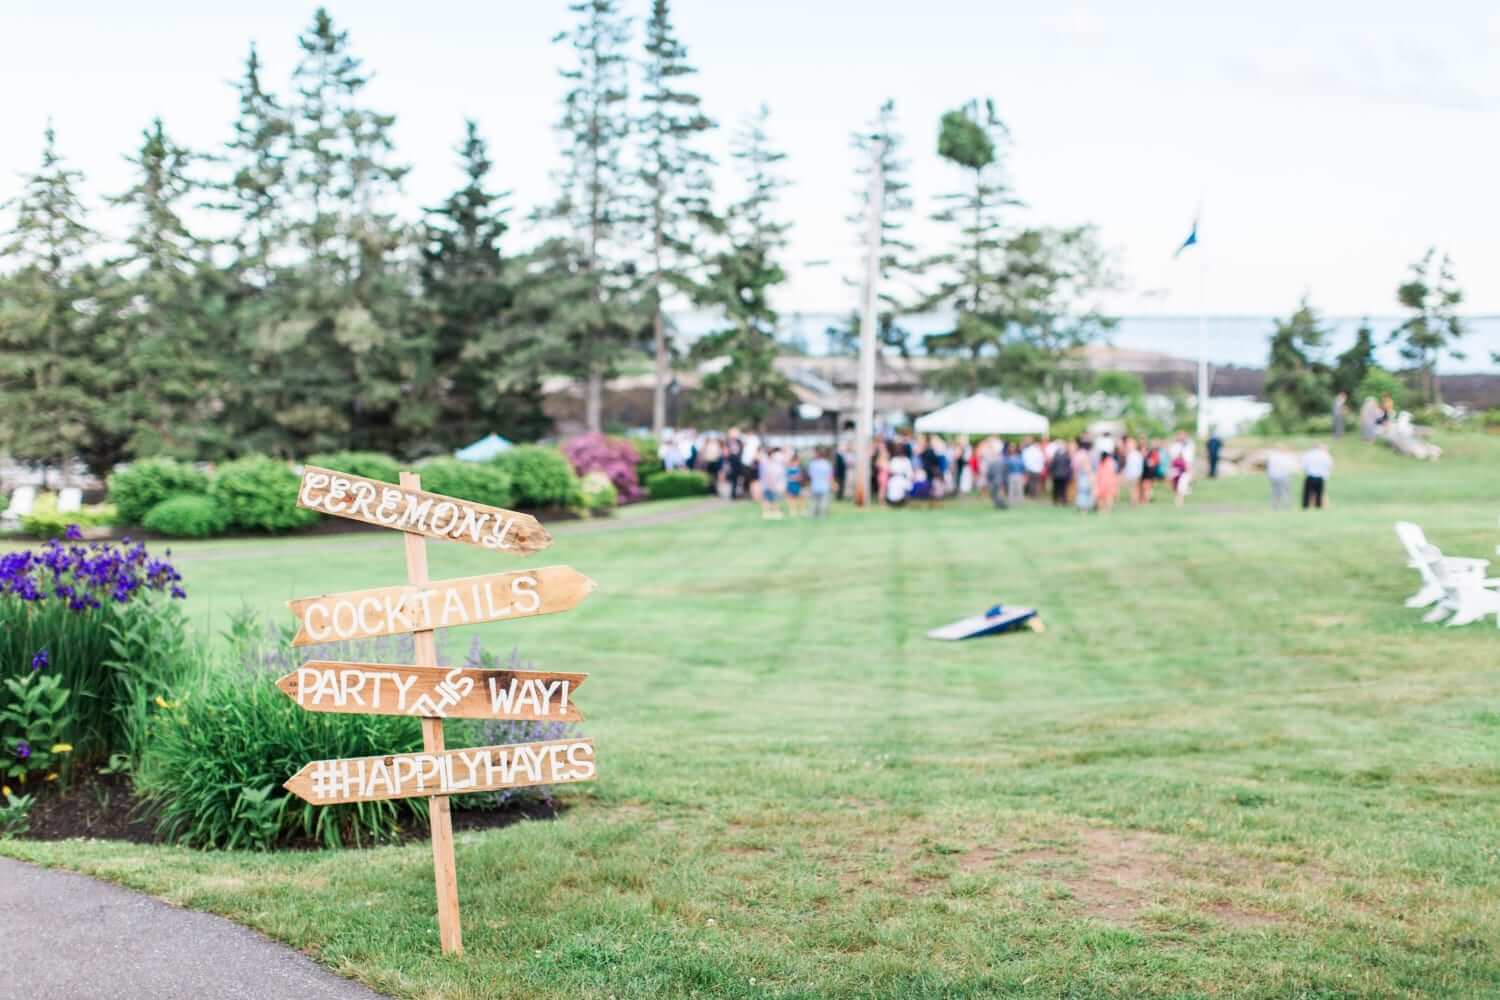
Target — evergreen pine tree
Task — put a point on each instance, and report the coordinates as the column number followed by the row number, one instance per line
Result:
column 1025, row 301
column 58, row 370
column 256, row 186
column 326, row 362
column 741, row 276
column 590, row 317
column 1297, row 381
column 1433, row 295
column 1351, row 366
column 167, row 306
column 674, row 174
column 480, row 370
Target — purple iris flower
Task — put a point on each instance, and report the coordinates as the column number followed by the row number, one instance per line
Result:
column 23, row 750
column 73, row 534
column 40, row 660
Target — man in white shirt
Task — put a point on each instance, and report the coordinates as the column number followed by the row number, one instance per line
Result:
column 1317, row 465
column 1034, row 461
column 1279, row 468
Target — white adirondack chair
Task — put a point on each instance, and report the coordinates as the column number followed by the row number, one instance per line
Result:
column 1469, row 596
column 1419, row 557
column 69, row 500
column 21, row 502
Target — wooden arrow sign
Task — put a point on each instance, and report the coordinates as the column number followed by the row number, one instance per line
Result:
column 418, row 512
column 469, row 600
column 409, row 775
column 434, row 692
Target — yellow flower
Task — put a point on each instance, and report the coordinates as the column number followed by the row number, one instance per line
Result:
column 62, row 748
column 5, row 790
column 164, row 703
column 52, row 776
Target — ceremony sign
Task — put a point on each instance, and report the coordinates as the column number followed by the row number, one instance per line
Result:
column 425, row 689
column 434, row 692
column 409, row 509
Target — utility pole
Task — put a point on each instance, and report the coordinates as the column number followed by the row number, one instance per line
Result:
column 864, row 430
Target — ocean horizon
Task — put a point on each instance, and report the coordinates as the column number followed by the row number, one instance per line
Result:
column 1240, row 340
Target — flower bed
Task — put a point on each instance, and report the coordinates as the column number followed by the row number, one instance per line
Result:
column 97, row 622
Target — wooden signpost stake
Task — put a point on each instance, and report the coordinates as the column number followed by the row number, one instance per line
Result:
column 450, row 931
column 425, row 689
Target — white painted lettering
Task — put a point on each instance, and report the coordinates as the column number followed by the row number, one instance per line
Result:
column 524, row 595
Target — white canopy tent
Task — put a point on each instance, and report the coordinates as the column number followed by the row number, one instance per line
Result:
column 982, row 414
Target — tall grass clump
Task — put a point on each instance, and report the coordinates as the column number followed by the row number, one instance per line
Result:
column 214, row 762
column 102, row 618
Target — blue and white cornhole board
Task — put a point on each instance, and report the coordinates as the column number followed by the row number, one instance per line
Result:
column 1000, row 618
column 483, row 450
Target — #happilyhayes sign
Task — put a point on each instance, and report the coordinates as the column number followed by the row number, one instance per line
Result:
column 424, row 689
column 410, row 775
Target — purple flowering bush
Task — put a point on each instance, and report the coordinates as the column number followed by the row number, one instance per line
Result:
column 102, row 618
column 615, row 457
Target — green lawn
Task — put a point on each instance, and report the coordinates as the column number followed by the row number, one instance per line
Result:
column 1233, row 764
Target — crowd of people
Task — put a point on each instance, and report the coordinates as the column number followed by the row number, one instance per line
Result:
column 1086, row 474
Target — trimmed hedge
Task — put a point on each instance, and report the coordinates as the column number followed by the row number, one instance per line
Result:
column 260, row 494
column 539, row 477
column 135, row 490
column 679, row 483
column 45, row 522
column 187, row 516
column 475, row 481
column 370, row 464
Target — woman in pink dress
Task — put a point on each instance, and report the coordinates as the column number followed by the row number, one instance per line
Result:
column 1106, row 483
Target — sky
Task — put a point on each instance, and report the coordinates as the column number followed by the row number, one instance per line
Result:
column 1326, row 144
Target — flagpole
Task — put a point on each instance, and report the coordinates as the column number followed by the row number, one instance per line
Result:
column 1202, row 345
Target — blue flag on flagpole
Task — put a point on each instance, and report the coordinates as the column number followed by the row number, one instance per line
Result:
column 1192, row 239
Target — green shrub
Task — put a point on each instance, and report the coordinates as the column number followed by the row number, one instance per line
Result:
column 370, row 464
column 212, row 767
column 260, row 494
column 648, row 463
column 135, row 490
column 477, row 481
column 45, row 522
column 539, row 477
column 187, row 516
column 1491, row 419
column 598, row 493
column 1378, row 383
column 680, row 483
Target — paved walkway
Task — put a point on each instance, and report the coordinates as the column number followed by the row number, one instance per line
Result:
column 69, row 937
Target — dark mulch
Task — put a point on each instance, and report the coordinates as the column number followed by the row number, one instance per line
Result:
column 94, row 805
column 104, row 807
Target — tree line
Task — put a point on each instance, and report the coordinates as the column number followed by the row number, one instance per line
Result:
column 266, row 296
column 1302, row 379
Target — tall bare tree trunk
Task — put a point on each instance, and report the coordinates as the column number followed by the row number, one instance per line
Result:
column 593, row 402
column 663, row 373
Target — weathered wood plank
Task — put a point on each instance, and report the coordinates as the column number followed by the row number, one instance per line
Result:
column 434, row 692
column 452, row 772
column 439, row 820
column 469, row 600
column 411, row 509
